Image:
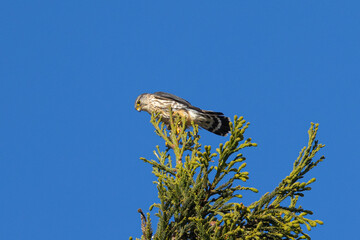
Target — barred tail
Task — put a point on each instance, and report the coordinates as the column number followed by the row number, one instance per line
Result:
column 216, row 123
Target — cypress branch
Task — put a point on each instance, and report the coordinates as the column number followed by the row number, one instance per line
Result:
column 198, row 188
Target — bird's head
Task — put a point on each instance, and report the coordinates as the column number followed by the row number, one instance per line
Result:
column 141, row 102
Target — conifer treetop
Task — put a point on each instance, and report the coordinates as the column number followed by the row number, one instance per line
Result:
column 199, row 189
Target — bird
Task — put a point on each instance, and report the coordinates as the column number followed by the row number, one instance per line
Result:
column 161, row 102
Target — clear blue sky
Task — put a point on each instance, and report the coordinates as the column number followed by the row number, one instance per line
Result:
column 70, row 71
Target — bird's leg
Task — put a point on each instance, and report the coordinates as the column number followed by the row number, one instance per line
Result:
column 182, row 114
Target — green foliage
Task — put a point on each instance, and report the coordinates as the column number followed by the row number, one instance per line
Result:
column 198, row 189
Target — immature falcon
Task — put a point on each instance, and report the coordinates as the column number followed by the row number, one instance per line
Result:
column 159, row 102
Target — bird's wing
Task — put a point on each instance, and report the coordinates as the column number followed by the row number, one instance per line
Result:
column 173, row 97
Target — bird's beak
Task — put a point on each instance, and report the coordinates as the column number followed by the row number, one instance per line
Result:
column 138, row 108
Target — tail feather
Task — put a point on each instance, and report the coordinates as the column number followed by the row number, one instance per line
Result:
column 216, row 123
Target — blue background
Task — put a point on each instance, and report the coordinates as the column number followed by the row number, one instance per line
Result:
column 70, row 71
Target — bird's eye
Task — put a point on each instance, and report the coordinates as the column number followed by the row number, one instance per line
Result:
column 138, row 102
